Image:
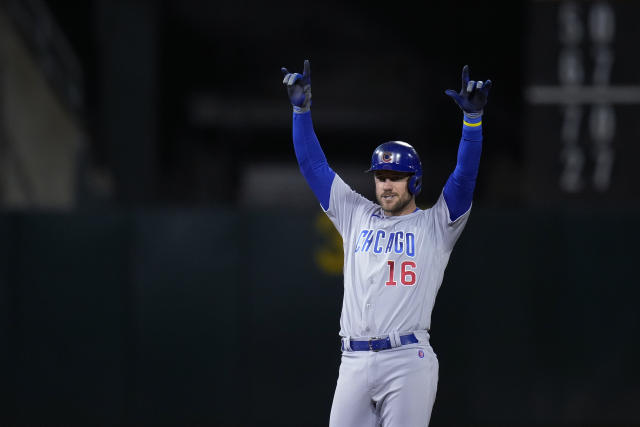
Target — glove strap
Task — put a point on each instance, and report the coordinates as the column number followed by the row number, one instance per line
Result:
column 475, row 115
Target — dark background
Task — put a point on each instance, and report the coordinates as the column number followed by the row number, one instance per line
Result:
column 190, row 291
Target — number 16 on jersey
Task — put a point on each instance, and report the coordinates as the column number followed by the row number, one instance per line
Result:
column 407, row 275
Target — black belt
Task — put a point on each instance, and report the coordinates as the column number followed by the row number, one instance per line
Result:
column 377, row 344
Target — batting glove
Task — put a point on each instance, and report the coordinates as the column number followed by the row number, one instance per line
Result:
column 299, row 88
column 473, row 95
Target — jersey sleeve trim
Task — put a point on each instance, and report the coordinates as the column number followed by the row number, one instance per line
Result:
column 325, row 210
column 462, row 215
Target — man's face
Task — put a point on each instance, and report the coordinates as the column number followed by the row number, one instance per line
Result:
column 392, row 192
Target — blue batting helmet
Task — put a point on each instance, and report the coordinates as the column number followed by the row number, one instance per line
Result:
column 399, row 156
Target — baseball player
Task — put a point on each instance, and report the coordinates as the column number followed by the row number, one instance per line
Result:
column 394, row 260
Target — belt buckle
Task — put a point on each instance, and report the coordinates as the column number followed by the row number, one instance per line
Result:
column 374, row 339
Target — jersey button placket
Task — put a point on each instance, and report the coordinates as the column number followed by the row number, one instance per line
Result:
column 368, row 308
column 365, row 317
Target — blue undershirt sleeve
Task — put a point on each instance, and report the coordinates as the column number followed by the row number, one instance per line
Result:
column 312, row 161
column 458, row 191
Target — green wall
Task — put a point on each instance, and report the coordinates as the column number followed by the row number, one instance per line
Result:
column 203, row 317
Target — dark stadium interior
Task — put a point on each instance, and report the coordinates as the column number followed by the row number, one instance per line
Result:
column 207, row 77
column 164, row 263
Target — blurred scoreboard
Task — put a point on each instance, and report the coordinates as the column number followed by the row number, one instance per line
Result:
column 582, row 103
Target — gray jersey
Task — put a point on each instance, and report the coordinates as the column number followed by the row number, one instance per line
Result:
column 393, row 266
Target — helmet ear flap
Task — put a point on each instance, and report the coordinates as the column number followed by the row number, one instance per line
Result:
column 415, row 184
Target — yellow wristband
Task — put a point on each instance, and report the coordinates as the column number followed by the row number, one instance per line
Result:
column 466, row 123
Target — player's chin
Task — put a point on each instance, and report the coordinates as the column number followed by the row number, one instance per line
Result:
column 392, row 205
column 387, row 203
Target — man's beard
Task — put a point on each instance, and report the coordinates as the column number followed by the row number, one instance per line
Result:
column 398, row 207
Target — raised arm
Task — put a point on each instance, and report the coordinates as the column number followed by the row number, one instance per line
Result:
column 312, row 161
column 472, row 98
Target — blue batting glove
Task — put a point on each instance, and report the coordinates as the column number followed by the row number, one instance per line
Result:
column 473, row 96
column 299, row 88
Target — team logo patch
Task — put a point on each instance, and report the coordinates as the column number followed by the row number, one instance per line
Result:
column 420, row 354
column 387, row 157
